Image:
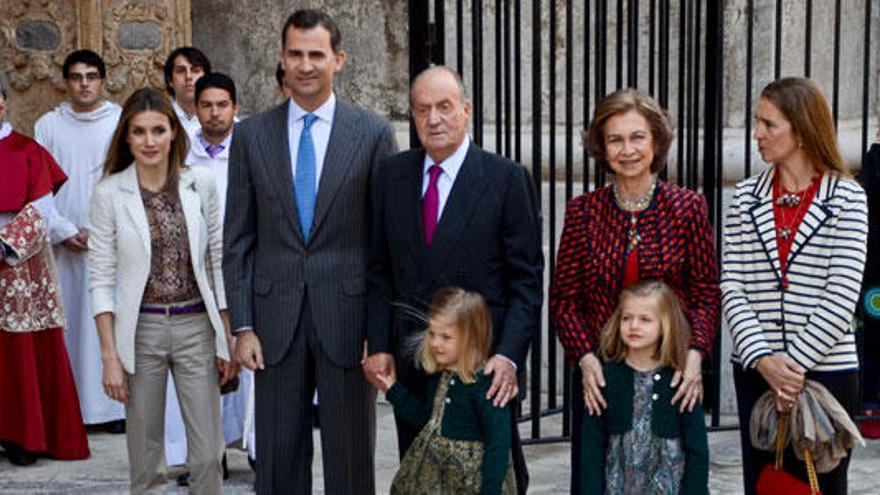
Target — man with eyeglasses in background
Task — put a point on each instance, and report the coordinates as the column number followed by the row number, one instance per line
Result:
column 77, row 133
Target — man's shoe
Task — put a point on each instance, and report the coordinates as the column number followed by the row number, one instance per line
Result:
column 115, row 427
column 17, row 455
column 870, row 427
column 183, row 479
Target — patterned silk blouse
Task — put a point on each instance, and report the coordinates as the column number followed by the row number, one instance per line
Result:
column 171, row 273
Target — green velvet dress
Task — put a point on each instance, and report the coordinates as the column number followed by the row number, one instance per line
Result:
column 464, row 445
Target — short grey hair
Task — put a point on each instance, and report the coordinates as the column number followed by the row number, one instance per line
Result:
column 441, row 68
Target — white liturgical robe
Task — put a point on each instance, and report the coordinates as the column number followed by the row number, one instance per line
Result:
column 78, row 142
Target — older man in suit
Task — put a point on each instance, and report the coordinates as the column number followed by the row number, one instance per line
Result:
column 295, row 260
column 452, row 214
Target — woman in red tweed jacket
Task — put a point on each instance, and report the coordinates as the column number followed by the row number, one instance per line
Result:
column 637, row 228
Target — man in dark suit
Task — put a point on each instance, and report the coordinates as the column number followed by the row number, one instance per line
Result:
column 295, row 260
column 452, row 214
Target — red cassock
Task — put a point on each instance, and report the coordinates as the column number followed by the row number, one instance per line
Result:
column 39, row 408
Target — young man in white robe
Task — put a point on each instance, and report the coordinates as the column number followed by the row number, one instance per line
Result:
column 183, row 67
column 216, row 107
column 77, row 133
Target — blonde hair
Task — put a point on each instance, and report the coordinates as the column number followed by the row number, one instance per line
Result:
column 674, row 329
column 468, row 313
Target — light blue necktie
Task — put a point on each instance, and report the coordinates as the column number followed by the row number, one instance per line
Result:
column 305, row 186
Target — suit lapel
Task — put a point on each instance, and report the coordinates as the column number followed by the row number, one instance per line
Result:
column 764, row 220
column 190, row 203
column 460, row 206
column 339, row 158
column 134, row 205
column 275, row 149
column 407, row 205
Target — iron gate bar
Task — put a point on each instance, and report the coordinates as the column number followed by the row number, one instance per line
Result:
column 633, row 44
column 836, row 88
column 459, row 36
column 683, row 40
column 477, row 69
column 569, row 105
column 551, row 164
column 777, row 41
column 866, row 81
column 750, row 20
column 508, row 125
column 808, row 36
column 652, row 33
column 618, row 50
column 499, row 94
column 585, row 165
column 438, row 32
column 536, row 177
column 517, row 83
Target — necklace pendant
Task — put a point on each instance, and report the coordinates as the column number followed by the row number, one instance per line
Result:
column 785, row 233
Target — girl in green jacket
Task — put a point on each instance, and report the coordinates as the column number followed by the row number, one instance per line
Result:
column 642, row 443
column 464, row 445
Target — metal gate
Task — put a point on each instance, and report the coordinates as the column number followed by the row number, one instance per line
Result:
column 535, row 69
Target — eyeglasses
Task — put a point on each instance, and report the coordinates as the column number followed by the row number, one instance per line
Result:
column 88, row 76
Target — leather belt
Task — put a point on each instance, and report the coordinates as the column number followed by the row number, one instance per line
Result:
column 170, row 309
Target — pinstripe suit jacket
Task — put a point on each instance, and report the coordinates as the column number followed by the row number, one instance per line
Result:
column 266, row 265
column 809, row 320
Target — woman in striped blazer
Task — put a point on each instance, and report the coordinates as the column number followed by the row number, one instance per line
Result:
column 794, row 251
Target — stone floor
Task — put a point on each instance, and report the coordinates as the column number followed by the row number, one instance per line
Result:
column 106, row 472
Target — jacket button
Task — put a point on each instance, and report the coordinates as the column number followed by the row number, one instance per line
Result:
column 656, row 377
column 452, row 381
column 655, row 396
column 448, row 400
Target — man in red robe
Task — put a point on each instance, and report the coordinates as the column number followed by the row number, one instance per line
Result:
column 39, row 408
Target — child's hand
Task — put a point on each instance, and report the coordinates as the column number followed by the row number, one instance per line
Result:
column 385, row 380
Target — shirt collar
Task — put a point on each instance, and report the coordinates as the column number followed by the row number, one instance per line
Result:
column 324, row 112
column 5, row 130
column 181, row 113
column 205, row 143
column 453, row 163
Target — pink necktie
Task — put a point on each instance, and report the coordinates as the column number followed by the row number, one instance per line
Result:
column 431, row 203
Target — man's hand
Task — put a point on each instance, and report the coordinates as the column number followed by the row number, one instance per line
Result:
column 504, row 386
column 593, row 382
column 378, row 364
column 248, row 351
column 689, row 383
column 78, row 242
column 115, row 380
column 784, row 376
column 227, row 370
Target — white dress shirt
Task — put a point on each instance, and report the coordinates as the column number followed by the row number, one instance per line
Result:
column 320, row 133
column 446, row 179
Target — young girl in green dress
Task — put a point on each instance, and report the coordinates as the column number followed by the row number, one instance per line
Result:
column 642, row 443
column 464, row 445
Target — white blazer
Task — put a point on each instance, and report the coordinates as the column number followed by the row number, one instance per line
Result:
column 809, row 317
column 119, row 252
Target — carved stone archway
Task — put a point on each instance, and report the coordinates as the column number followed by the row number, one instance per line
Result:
column 133, row 37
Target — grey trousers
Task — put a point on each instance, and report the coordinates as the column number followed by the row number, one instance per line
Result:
column 183, row 344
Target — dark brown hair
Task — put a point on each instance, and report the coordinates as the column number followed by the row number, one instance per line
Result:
column 119, row 156
column 805, row 107
column 307, row 19
column 467, row 311
column 675, row 332
column 621, row 102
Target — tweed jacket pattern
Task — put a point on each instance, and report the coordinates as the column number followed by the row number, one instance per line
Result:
column 676, row 247
column 808, row 314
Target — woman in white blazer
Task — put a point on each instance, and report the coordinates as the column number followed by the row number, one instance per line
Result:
column 794, row 250
column 157, row 292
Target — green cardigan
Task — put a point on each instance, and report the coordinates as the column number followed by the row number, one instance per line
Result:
column 468, row 415
column 666, row 422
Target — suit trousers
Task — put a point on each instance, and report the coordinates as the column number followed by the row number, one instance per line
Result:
column 283, row 409
column 750, row 386
column 183, row 344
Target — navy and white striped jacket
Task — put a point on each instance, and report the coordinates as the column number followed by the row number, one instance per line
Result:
column 810, row 320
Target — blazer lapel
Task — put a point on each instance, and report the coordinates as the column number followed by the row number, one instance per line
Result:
column 764, row 220
column 134, row 205
column 816, row 216
column 275, row 149
column 190, row 203
column 339, row 158
column 460, row 206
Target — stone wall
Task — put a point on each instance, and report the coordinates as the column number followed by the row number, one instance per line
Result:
column 243, row 39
